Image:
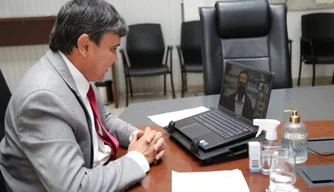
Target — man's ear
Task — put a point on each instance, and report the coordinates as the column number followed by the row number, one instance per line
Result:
column 83, row 45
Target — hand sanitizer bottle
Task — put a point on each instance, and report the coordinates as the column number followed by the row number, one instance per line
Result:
column 294, row 136
column 270, row 143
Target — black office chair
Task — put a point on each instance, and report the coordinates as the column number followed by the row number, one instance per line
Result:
column 145, row 49
column 317, row 41
column 251, row 32
column 189, row 52
column 5, row 95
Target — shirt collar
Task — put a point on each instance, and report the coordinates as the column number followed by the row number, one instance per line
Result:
column 79, row 79
column 242, row 100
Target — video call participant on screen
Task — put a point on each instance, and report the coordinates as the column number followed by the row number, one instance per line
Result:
column 239, row 102
column 58, row 134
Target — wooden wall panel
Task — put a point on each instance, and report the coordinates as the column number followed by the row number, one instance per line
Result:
column 25, row 31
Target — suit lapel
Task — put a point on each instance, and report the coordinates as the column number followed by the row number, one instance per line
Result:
column 59, row 64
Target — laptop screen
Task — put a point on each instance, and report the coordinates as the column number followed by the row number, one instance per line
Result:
column 246, row 90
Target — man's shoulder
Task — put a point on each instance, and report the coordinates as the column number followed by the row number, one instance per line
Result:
column 232, row 95
column 40, row 77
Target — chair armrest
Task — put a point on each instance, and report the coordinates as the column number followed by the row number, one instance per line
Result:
column 303, row 39
column 125, row 62
column 290, row 49
column 170, row 56
column 310, row 42
column 178, row 48
column 179, row 52
column 307, row 40
column 123, row 55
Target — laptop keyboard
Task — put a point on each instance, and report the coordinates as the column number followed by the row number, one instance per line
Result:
column 222, row 124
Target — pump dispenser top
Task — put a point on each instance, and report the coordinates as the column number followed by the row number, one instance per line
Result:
column 294, row 117
column 268, row 125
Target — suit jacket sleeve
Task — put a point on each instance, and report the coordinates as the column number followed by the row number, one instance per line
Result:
column 118, row 128
column 47, row 132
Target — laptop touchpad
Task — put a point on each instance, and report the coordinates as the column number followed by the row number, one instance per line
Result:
column 195, row 130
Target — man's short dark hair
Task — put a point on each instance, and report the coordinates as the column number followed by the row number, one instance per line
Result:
column 92, row 17
column 243, row 72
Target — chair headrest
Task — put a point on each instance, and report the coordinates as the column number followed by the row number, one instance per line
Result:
column 246, row 18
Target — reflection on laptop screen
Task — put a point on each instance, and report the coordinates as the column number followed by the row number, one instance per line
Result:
column 245, row 90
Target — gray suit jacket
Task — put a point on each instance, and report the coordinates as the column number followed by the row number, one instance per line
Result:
column 48, row 140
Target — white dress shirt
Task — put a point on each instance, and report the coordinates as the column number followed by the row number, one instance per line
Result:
column 102, row 152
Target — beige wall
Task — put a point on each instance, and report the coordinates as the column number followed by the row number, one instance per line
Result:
column 15, row 60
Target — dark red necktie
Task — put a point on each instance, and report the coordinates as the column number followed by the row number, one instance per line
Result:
column 108, row 139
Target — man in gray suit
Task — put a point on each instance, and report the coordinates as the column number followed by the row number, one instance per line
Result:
column 53, row 134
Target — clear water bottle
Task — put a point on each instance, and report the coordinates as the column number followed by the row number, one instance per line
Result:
column 295, row 135
column 270, row 143
column 267, row 148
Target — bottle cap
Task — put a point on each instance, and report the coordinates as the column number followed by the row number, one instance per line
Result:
column 294, row 117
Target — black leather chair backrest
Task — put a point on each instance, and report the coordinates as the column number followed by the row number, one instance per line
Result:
column 318, row 27
column 251, row 32
column 4, row 99
column 191, row 42
column 145, row 45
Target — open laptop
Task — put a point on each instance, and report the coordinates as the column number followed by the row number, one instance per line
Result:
column 244, row 96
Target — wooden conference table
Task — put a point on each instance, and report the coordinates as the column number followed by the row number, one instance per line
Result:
column 159, row 177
